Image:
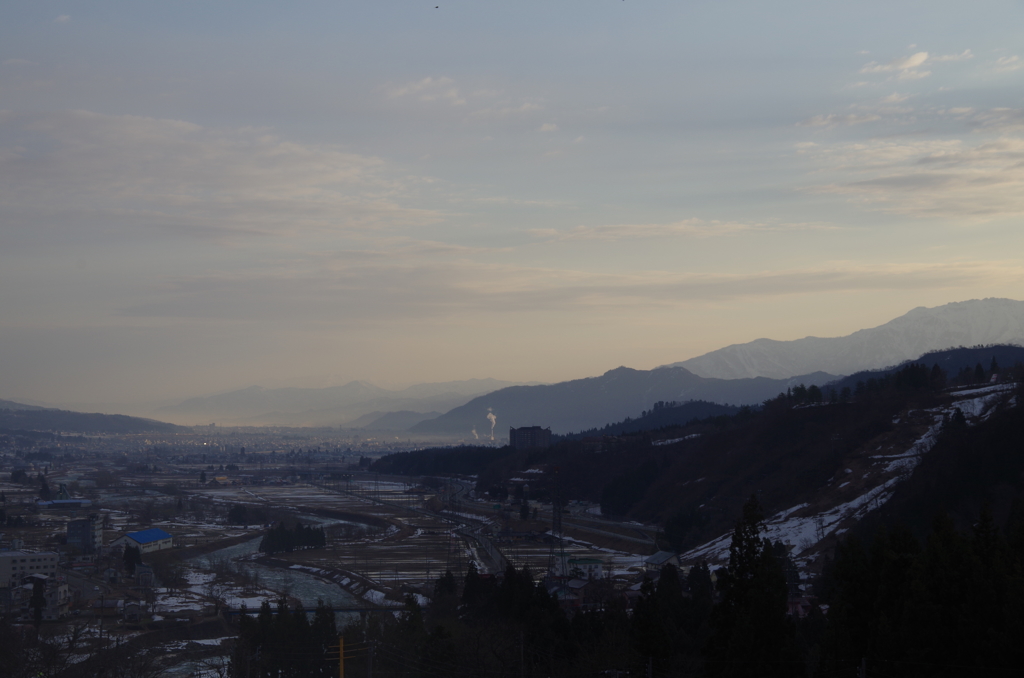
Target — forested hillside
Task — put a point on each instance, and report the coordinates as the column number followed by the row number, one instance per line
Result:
column 819, row 460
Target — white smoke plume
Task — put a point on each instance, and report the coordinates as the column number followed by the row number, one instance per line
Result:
column 477, row 437
column 493, row 419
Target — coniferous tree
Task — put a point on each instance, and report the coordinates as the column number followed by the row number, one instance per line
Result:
column 131, row 557
column 751, row 634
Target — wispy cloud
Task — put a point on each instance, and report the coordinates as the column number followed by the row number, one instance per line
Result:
column 963, row 56
column 62, row 19
column 947, row 179
column 177, row 177
column 1007, row 64
column 430, row 89
column 909, row 67
column 1000, row 119
column 399, row 289
column 698, row 228
column 836, row 120
column 549, row 127
column 504, row 111
column 904, row 67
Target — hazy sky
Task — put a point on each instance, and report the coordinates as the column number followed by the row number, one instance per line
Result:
column 198, row 196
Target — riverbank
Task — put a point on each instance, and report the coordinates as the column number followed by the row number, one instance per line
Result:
column 367, row 591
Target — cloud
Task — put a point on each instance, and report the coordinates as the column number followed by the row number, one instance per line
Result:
column 390, row 289
column 835, row 120
column 698, row 228
column 1007, row 64
column 963, row 56
column 524, row 108
column 131, row 174
column 912, row 75
column 430, row 89
column 946, row 179
column 62, row 19
column 902, row 64
column 549, row 127
column 895, row 98
column 1000, row 119
column 905, row 68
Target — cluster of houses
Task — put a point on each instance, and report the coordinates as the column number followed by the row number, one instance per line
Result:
column 47, row 584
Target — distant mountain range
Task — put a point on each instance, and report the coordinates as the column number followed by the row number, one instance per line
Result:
column 742, row 374
column 584, row 404
column 15, row 417
column 965, row 323
column 347, row 405
column 11, row 405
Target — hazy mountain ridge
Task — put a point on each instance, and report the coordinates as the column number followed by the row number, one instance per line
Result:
column 922, row 330
column 41, row 419
column 11, row 405
column 593, row 402
column 333, row 406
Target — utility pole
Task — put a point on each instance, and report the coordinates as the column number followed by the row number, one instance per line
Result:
column 341, row 656
column 862, row 672
column 369, row 662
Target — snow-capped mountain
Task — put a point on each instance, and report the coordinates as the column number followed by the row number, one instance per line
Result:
column 964, row 323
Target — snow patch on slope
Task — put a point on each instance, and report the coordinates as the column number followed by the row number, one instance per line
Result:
column 805, row 532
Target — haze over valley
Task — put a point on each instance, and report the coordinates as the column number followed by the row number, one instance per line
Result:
column 511, row 340
column 744, row 374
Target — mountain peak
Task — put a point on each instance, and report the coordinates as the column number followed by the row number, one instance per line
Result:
column 919, row 331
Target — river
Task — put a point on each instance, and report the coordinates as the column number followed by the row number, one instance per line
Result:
column 306, row 587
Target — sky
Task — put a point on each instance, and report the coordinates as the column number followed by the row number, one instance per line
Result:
column 202, row 196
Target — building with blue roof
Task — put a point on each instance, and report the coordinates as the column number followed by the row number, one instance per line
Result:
column 153, row 539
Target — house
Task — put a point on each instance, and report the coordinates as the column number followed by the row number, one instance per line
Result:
column 56, row 595
column 570, row 594
column 590, row 568
column 153, row 539
column 132, row 611
column 660, row 559
column 143, row 575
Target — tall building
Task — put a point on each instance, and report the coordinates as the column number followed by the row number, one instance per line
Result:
column 16, row 565
column 529, row 437
column 86, row 534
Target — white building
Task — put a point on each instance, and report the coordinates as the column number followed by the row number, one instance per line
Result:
column 16, row 565
column 153, row 539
